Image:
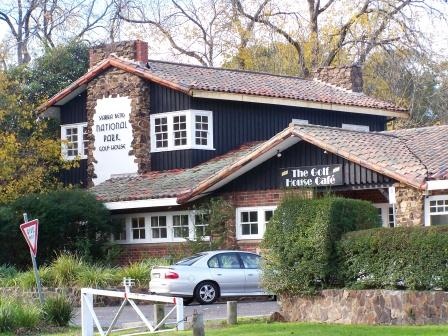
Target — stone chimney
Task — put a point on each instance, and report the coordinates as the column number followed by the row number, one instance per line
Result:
column 347, row 77
column 134, row 50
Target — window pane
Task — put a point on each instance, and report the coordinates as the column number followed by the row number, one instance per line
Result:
column 250, row 261
column 268, row 215
column 161, row 132
column 439, row 219
column 201, row 127
column 180, row 133
column 119, row 225
column 229, row 260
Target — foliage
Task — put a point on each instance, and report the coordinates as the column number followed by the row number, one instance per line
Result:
column 66, row 218
column 300, row 241
column 140, row 272
column 409, row 79
column 411, row 258
column 217, row 213
column 30, row 158
column 58, row 311
column 54, row 70
column 15, row 314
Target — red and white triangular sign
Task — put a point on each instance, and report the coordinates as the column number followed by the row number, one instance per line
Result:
column 30, row 231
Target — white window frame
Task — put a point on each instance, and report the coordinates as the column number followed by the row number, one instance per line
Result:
column 190, row 116
column 126, row 229
column 354, row 127
column 261, row 221
column 169, row 226
column 145, row 229
column 427, row 207
column 385, row 207
column 81, row 147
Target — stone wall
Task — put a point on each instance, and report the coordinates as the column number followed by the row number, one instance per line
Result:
column 113, row 83
column 347, row 77
column 134, row 50
column 409, row 208
column 368, row 307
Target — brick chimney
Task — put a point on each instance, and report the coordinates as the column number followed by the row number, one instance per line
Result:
column 347, row 77
column 136, row 50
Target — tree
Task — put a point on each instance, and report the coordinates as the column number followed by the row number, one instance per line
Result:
column 69, row 221
column 410, row 79
column 325, row 31
column 30, row 155
column 46, row 22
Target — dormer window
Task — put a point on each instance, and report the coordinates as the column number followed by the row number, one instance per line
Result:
column 185, row 129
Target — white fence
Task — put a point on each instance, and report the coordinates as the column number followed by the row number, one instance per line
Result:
column 89, row 317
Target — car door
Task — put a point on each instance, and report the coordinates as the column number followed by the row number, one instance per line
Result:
column 251, row 263
column 227, row 271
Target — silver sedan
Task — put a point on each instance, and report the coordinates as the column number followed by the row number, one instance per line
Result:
column 206, row 276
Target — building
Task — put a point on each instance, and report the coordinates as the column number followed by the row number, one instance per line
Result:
column 156, row 138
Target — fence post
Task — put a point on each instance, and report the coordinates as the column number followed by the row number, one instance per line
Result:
column 86, row 316
column 159, row 313
column 198, row 324
column 180, row 314
column 232, row 312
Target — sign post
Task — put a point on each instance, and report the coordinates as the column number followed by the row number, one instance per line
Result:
column 30, row 230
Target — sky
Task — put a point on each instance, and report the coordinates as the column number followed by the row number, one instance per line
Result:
column 437, row 30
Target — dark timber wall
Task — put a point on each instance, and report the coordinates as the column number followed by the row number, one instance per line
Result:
column 267, row 175
column 236, row 123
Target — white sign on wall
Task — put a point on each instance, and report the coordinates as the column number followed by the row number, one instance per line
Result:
column 113, row 137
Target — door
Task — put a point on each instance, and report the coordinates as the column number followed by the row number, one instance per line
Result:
column 227, row 271
column 251, row 263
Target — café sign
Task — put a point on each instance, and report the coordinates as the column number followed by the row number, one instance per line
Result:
column 312, row 176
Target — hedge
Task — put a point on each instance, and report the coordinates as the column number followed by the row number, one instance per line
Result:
column 399, row 258
column 300, row 241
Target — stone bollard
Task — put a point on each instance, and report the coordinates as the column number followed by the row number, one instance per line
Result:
column 232, row 312
column 159, row 313
column 198, row 324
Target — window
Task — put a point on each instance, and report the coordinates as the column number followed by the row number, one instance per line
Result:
column 250, row 261
column 386, row 214
column 201, row 228
column 180, row 226
column 353, row 127
column 138, row 228
column 300, row 121
column 161, row 132
column 251, row 222
column 436, row 210
column 119, row 225
column 181, row 130
column 75, row 141
column 158, row 227
column 224, row 260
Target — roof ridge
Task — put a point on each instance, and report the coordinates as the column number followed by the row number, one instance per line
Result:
column 232, row 70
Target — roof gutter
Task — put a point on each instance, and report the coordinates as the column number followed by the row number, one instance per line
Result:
column 150, row 203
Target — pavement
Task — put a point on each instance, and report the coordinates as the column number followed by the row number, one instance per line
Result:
column 217, row 311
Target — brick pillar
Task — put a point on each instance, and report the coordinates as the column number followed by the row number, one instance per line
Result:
column 409, row 209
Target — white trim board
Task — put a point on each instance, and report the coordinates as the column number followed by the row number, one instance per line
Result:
column 151, row 203
column 437, row 185
column 296, row 102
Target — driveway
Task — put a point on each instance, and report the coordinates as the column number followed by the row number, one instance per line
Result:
column 211, row 312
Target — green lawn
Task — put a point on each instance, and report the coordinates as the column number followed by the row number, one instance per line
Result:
column 258, row 328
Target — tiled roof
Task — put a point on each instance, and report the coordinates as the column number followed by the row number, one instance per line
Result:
column 187, row 78
column 409, row 156
column 166, row 184
column 262, row 84
column 383, row 152
column 430, row 145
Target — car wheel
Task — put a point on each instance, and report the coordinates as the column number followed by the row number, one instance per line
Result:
column 188, row 301
column 206, row 292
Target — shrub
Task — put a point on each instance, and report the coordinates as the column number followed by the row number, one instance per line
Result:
column 300, row 241
column 70, row 220
column 7, row 275
column 139, row 271
column 58, row 310
column 15, row 315
column 96, row 276
column 65, row 269
column 411, row 258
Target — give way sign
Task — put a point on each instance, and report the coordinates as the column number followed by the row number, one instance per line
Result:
column 30, row 231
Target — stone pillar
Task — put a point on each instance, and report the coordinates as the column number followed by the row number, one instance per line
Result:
column 409, row 207
column 113, row 83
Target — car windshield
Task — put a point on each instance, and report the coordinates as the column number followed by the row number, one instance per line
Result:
column 190, row 260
